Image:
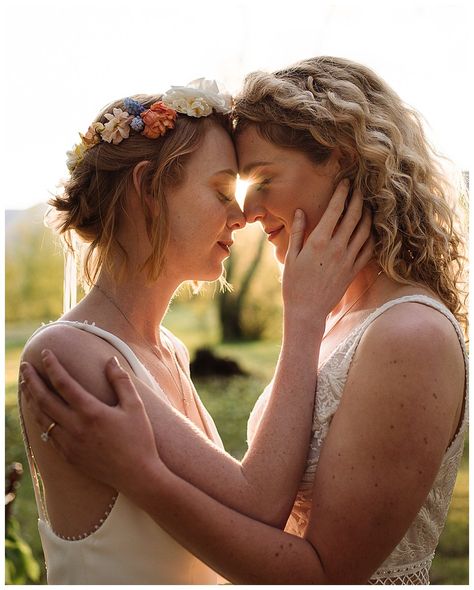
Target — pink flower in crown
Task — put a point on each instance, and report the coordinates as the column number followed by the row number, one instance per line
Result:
column 117, row 127
column 92, row 136
column 158, row 119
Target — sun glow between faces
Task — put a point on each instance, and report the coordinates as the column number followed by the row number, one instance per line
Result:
column 241, row 191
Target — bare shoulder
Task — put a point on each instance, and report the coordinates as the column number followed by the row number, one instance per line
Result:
column 419, row 338
column 82, row 353
column 413, row 326
column 409, row 372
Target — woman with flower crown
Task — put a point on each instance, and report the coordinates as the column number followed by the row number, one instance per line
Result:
column 390, row 411
column 151, row 197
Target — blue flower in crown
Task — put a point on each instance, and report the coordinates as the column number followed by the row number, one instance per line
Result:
column 137, row 124
column 133, row 107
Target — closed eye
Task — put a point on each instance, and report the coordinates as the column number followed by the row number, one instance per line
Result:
column 224, row 197
column 259, row 186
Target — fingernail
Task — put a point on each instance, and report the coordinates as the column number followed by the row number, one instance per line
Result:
column 44, row 353
column 298, row 214
column 23, row 369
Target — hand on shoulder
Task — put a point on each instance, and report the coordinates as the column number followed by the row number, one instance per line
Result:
column 82, row 354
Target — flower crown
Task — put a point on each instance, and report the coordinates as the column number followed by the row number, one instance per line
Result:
column 198, row 99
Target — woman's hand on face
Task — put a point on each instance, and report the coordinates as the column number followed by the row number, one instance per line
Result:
column 85, row 425
column 318, row 271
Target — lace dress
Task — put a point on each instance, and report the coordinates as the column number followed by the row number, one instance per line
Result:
column 410, row 561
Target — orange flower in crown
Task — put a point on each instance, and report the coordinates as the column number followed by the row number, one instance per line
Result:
column 158, row 119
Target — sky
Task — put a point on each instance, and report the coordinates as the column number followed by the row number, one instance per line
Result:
column 64, row 60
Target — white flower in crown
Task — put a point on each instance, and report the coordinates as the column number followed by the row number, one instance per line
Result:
column 117, row 127
column 75, row 155
column 198, row 99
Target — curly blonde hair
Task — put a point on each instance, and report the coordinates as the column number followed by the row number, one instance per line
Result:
column 322, row 103
column 92, row 203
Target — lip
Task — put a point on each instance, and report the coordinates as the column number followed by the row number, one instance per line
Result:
column 272, row 234
column 226, row 246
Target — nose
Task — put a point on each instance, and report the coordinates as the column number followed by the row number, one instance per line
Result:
column 253, row 209
column 236, row 217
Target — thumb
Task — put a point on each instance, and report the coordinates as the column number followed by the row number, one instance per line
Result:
column 121, row 383
column 296, row 235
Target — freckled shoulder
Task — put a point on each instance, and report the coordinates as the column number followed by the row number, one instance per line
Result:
column 82, row 354
column 411, row 360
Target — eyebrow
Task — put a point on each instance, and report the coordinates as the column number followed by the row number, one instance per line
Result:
column 228, row 171
column 253, row 165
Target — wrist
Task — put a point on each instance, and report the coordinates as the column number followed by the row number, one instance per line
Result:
column 149, row 484
column 299, row 328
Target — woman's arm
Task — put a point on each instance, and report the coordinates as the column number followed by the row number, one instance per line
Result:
column 265, row 483
column 398, row 413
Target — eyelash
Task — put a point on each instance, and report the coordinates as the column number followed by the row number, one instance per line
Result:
column 225, row 197
column 261, row 185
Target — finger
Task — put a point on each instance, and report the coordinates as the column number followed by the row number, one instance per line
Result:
column 121, row 383
column 334, row 210
column 360, row 235
column 67, row 387
column 351, row 217
column 42, row 419
column 365, row 255
column 59, row 439
column 41, row 400
column 296, row 235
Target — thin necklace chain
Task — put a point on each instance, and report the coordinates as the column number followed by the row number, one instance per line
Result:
column 352, row 304
column 179, row 386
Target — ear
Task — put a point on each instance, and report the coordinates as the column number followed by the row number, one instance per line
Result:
column 137, row 176
column 143, row 197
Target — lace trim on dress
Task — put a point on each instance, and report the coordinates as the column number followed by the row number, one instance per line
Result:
column 411, row 573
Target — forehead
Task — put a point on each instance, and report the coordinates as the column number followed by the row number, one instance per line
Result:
column 255, row 151
column 215, row 153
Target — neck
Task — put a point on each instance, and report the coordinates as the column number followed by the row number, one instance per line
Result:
column 135, row 301
column 363, row 280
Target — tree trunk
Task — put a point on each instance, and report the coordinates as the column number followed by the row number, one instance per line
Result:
column 231, row 303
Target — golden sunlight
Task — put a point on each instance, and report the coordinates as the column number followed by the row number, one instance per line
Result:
column 241, row 191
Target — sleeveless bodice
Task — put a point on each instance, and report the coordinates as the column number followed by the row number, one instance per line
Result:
column 411, row 559
column 127, row 547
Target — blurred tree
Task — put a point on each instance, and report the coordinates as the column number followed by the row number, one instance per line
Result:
column 231, row 303
column 33, row 270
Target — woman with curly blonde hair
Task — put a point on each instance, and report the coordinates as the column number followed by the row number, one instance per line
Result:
column 390, row 410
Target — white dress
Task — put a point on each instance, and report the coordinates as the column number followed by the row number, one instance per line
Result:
column 127, row 547
column 410, row 561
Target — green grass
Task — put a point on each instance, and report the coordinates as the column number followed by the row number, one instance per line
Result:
column 229, row 401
